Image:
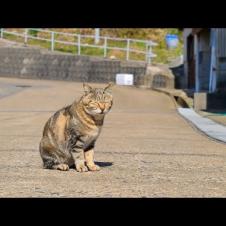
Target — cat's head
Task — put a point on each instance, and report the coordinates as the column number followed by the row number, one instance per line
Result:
column 97, row 101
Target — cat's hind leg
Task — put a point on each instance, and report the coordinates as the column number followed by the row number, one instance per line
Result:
column 50, row 162
column 62, row 166
column 53, row 158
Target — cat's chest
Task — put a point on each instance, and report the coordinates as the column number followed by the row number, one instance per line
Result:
column 83, row 132
column 90, row 135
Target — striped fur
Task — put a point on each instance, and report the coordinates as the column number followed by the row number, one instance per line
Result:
column 69, row 136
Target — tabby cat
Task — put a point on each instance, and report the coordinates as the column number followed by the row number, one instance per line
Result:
column 69, row 136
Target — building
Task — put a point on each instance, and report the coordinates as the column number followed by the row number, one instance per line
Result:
column 204, row 61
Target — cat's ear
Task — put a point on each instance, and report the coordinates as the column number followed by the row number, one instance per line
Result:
column 110, row 84
column 87, row 88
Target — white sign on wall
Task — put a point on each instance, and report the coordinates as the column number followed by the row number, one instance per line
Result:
column 124, row 79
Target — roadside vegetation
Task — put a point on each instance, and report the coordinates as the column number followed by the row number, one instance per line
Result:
column 164, row 55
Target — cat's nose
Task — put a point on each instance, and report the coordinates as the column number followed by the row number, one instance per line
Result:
column 102, row 107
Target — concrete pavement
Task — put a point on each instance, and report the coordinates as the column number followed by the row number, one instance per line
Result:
column 146, row 148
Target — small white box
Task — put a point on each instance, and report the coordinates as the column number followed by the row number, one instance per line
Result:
column 124, row 79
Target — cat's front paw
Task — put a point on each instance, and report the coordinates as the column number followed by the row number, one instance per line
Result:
column 93, row 167
column 80, row 167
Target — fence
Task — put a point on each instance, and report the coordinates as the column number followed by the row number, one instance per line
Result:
column 82, row 42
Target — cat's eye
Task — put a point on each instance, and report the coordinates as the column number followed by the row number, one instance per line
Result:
column 93, row 107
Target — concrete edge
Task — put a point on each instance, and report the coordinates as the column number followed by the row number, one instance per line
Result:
column 179, row 94
column 193, row 125
column 167, row 93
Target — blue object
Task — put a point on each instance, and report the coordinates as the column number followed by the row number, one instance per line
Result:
column 172, row 41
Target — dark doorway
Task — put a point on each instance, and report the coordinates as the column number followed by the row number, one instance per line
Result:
column 191, row 62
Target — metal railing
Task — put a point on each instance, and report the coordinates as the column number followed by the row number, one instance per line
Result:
column 78, row 42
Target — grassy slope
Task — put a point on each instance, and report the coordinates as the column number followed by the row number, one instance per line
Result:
column 154, row 34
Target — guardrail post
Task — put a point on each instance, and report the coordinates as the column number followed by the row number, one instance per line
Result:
column 1, row 32
column 97, row 35
column 146, row 57
column 79, row 44
column 127, row 49
column 105, row 46
column 25, row 36
column 52, row 40
column 149, row 53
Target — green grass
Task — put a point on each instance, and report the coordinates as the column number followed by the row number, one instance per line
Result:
column 33, row 33
column 91, row 51
column 120, row 44
column 40, row 43
column 163, row 54
column 65, row 48
column 137, row 56
column 13, row 37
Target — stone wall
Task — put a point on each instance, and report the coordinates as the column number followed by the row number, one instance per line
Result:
column 158, row 76
column 26, row 62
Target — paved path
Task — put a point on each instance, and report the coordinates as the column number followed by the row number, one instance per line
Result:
column 146, row 148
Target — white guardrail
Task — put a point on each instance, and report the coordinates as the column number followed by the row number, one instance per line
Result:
column 53, row 39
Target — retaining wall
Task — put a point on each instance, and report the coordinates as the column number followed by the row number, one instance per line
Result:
column 26, row 62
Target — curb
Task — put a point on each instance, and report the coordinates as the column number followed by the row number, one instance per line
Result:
column 177, row 96
column 219, row 134
column 202, row 125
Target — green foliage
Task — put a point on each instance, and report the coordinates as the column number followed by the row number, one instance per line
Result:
column 33, row 32
column 164, row 55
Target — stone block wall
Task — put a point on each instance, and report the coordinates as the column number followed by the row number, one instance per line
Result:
column 26, row 62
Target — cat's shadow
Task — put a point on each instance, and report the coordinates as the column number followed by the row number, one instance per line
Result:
column 104, row 164
column 101, row 164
